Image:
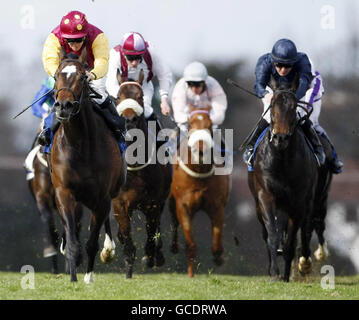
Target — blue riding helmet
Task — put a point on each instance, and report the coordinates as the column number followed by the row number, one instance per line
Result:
column 284, row 51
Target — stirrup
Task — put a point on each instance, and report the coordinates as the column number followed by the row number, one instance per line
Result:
column 337, row 166
column 248, row 156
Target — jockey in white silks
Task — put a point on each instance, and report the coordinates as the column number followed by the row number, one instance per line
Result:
column 132, row 55
column 198, row 89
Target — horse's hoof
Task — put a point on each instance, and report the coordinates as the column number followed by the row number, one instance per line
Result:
column 107, row 255
column 108, row 251
column 148, row 262
column 160, row 260
column 305, row 265
column 322, row 252
column 49, row 252
column 89, row 277
column 174, row 248
column 275, row 278
column 219, row 260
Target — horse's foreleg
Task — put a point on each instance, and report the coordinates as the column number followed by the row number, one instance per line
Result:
column 185, row 219
column 273, row 235
column 108, row 251
column 148, row 258
column 159, row 257
column 99, row 216
column 122, row 215
column 153, row 245
column 66, row 205
column 319, row 225
column 174, row 226
column 289, row 247
column 305, row 262
column 217, row 234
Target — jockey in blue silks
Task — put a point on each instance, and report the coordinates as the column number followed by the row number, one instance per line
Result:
column 42, row 107
column 283, row 64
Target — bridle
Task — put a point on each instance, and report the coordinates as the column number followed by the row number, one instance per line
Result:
column 298, row 120
column 184, row 167
column 78, row 101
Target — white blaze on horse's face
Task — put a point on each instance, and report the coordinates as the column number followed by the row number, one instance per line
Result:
column 204, row 136
column 69, row 70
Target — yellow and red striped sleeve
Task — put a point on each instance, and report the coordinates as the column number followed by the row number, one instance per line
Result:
column 101, row 52
column 51, row 54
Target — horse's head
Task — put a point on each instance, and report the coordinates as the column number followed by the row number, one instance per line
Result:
column 283, row 114
column 70, row 80
column 130, row 103
column 200, row 133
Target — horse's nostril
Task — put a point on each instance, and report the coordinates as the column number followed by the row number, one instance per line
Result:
column 68, row 104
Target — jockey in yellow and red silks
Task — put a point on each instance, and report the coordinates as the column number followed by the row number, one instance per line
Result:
column 74, row 34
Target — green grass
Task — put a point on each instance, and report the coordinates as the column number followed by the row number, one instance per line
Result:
column 172, row 286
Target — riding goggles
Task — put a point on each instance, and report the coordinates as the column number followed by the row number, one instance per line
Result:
column 76, row 40
column 283, row 65
column 195, row 84
column 134, row 57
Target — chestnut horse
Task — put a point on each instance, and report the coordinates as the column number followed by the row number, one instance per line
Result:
column 86, row 162
column 289, row 190
column 195, row 187
column 148, row 182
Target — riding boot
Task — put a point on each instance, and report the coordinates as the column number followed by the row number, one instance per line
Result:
column 47, row 132
column 248, row 152
column 311, row 134
column 115, row 122
column 335, row 164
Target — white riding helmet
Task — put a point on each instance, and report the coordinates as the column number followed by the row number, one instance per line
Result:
column 195, row 71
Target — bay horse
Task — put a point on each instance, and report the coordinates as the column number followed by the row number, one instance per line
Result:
column 87, row 166
column 286, row 184
column 148, row 182
column 196, row 187
column 43, row 193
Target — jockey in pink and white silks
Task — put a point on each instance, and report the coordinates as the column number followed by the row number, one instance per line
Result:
column 132, row 55
column 198, row 89
column 282, row 65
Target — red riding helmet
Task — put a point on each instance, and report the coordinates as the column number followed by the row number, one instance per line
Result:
column 74, row 25
column 132, row 43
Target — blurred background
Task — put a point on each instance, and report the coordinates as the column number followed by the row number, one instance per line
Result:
column 228, row 36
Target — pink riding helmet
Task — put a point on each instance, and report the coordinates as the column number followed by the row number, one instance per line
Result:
column 132, row 43
column 74, row 25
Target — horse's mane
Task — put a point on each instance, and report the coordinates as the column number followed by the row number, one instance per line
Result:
column 71, row 55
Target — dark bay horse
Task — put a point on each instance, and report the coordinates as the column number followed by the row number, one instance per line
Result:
column 196, row 187
column 286, row 184
column 86, row 162
column 148, row 182
column 43, row 193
